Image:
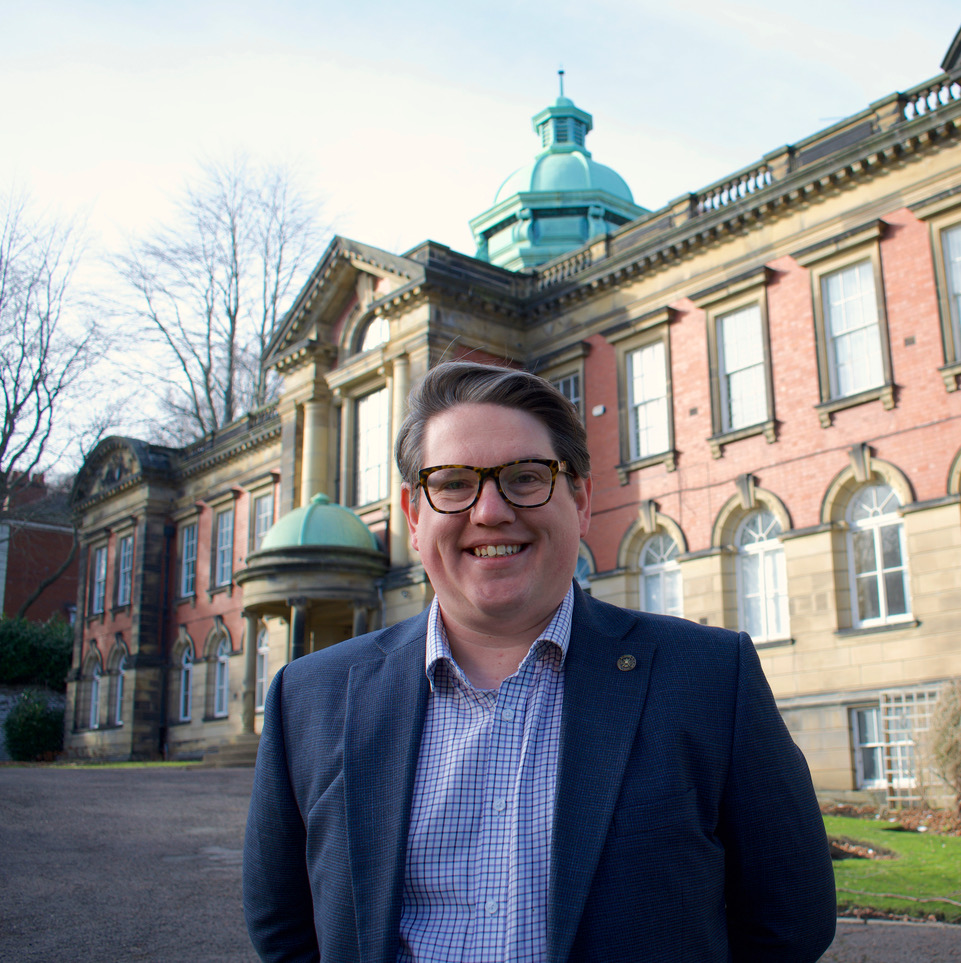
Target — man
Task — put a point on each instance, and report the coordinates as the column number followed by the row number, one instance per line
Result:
column 523, row 773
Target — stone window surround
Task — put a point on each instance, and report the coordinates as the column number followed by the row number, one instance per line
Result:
column 733, row 297
column 828, row 257
column 638, row 334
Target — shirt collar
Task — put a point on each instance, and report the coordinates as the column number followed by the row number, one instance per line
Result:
column 558, row 633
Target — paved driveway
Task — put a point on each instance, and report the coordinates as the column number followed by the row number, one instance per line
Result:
column 118, row 865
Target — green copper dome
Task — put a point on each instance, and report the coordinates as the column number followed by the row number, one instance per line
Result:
column 560, row 201
column 320, row 523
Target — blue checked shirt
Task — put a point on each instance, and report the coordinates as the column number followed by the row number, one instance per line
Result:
column 478, row 848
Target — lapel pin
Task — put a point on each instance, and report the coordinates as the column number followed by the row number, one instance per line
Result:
column 626, row 662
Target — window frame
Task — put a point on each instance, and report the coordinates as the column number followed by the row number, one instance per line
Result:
column 98, row 579
column 718, row 304
column 190, row 526
column 944, row 216
column 636, row 336
column 860, row 743
column 185, row 689
column 124, row 592
column 359, row 497
column 670, row 568
column 829, row 258
column 220, row 703
column 222, row 552
column 874, row 525
column 765, row 552
column 256, row 519
column 261, row 681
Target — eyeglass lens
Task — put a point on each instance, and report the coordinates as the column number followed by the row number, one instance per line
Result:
column 525, row 484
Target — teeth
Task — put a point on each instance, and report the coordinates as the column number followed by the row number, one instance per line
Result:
column 489, row 551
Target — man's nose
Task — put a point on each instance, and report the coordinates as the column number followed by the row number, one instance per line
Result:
column 490, row 506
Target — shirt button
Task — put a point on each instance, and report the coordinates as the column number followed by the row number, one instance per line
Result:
column 499, row 804
column 491, row 907
column 507, row 715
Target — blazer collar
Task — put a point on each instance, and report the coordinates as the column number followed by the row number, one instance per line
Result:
column 603, row 702
column 386, row 705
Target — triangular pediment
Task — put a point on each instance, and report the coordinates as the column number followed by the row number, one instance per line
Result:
column 350, row 277
column 952, row 59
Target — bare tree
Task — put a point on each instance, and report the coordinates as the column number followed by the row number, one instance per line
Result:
column 42, row 351
column 210, row 290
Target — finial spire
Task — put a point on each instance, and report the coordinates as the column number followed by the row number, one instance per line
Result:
column 560, row 77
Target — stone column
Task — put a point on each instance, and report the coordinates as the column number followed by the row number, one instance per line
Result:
column 250, row 672
column 360, row 618
column 400, row 386
column 313, row 457
column 298, row 627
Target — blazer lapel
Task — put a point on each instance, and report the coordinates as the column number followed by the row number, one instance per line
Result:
column 602, row 709
column 387, row 700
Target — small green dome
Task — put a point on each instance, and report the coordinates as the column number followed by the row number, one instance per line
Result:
column 321, row 523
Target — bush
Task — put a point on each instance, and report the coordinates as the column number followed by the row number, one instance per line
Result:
column 33, row 729
column 34, row 653
column 946, row 729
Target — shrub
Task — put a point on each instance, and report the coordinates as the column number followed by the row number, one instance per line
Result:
column 35, row 653
column 33, row 729
column 946, row 729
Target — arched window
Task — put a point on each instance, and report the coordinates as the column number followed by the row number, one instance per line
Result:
column 119, row 672
column 375, row 334
column 186, row 684
column 221, row 678
column 879, row 584
column 263, row 653
column 94, row 716
column 660, row 588
column 761, row 578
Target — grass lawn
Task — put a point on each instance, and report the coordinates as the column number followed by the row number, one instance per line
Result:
column 922, row 880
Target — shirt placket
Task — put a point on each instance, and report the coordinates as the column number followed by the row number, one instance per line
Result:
column 493, row 907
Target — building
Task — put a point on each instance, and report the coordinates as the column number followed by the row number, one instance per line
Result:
column 768, row 369
column 36, row 545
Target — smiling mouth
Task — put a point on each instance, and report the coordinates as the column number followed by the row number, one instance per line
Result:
column 489, row 551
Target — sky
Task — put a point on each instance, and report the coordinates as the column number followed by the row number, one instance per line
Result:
column 404, row 119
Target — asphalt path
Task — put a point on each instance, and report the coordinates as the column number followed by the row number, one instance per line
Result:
column 117, row 865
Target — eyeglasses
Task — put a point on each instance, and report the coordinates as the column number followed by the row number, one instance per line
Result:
column 524, row 484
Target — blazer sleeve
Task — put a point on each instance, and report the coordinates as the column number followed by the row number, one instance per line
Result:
column 277, row 897
column 779, row 882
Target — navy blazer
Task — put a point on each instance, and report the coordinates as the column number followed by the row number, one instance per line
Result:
column 685, row 824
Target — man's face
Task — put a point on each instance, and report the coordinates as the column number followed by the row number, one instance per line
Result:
column 497, row 594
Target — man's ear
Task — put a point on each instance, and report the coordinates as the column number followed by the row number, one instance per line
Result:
column 410, row 506
column 582, row 499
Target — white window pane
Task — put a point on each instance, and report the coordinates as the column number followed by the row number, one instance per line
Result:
column 373, row 447
column 951, row 242
column 852, row 330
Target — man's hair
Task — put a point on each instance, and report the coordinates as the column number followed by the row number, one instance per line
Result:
column 454, row 383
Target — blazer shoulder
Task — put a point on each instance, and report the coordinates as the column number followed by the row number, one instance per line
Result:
column 372, row 646
column 655, row 628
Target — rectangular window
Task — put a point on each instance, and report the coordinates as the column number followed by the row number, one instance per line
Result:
column 263, row 517
column 224, row 555
column 741, row 373
column 869, row 747
column 647, row 400
column 570, row 388
column 125, row 570
column 98, row 585
column 852, row 330
column 951, row 245
column 188, row 560
column 372, row 434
